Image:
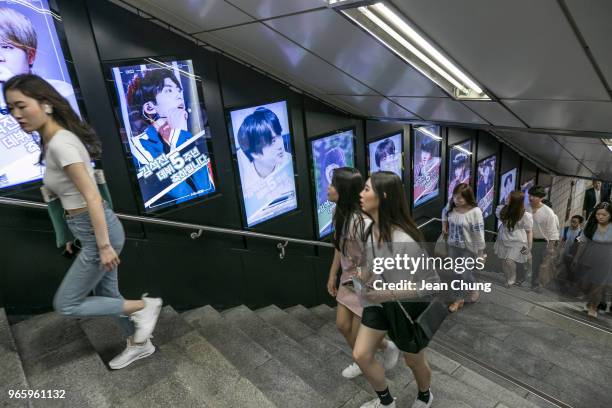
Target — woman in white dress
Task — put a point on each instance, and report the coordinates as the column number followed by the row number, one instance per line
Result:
column 515, row 237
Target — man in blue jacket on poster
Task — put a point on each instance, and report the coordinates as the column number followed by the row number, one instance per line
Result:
column 166, row 145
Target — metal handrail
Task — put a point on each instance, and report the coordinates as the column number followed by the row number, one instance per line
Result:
column 201, row 228
column 183, row 225
column 284, row 241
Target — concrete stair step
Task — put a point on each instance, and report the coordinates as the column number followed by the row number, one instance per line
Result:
column 306, row 316
column 553, row 313
column 57, row 355
column 530, row 368
column 458, row 385
column 280, row 385
column 319, row 347
column 319, row 375
column 538, row 338
column 186, row 370
column 325, row 312
column 13, row 377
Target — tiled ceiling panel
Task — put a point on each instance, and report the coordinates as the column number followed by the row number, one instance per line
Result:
column 540, row 146
column 593, row 18
column 286, row 59
column 194, row 16
column 576, row 139
column 494, row 113
column 589, row 151
column 573, row 168
column 570, row 115
column 328, row 34
column 600, row 169
column 377, row 106
column 262, row 9
column 519, row 49
column 439, row 109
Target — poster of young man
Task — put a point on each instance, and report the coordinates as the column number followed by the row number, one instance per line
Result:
column 28, row 44
column 262, row 141
column 508, row 184
column 386, row 155
column 459, row 166
column 329, row 153
column 485, row 188
column 525, row 189
column 426, row 168
column 166, row 130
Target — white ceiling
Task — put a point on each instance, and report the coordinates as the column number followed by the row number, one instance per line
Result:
column 551, row 97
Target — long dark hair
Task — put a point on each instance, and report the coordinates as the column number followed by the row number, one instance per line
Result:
column 37, row 88
column 348, row 182
column 591, row 226
column 466, row 192
column 514, row 210
column 393, row 210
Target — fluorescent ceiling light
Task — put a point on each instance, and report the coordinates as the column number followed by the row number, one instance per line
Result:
column 391, row 29
column 462, row 149
column 428, row 132
column 608, row 142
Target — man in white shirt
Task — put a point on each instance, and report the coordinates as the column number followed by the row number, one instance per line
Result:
column 545, row 237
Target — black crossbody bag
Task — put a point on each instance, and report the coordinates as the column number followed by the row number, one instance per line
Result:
column 430, row 319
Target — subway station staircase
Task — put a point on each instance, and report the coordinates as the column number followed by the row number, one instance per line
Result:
column 293, row 358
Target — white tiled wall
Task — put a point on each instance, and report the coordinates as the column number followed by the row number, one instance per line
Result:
column 560, row 193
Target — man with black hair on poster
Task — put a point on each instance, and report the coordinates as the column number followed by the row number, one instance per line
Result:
column 158, row 97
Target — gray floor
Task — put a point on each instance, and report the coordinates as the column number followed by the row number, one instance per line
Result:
column 505, row 351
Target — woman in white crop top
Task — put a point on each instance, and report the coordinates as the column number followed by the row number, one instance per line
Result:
column 67, row 146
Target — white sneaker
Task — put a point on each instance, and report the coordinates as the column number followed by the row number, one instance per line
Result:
column 375, row 403
column 146, row 319
column 131, row 354
column 351, row 371
column 390, row 355
column 420, row 404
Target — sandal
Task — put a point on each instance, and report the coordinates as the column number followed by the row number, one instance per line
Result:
column 592, row 311
column 455, row 306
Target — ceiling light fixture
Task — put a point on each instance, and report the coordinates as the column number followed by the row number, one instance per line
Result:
column 462, row 149
column 608, row 143
column 391, row 29
column 428, row 132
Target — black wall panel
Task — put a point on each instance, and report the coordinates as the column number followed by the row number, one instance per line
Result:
column 509, row 160
column 215, row 269
column 528, row 170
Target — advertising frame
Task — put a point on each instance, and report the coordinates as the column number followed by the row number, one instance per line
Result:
column 386, row 136
column 107, row 67
column 313, row 181
column 235, row 166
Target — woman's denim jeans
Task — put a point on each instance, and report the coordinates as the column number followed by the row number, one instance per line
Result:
column 88, row 289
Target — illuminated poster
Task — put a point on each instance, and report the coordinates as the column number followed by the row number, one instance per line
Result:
column 386, row 154
column 262, row 141
column 426, row 164
column 525, row 189
column 28, row 44
column 459, row 166
column 166, row 130
column 508, row 185
column 329, row 153
column 485, row 188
